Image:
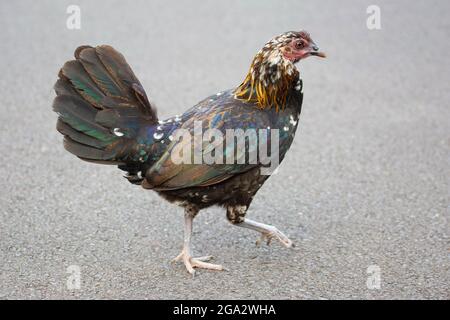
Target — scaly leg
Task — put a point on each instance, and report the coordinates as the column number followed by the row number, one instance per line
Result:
column 236, row 215
column 268, row 232
column 185, row 255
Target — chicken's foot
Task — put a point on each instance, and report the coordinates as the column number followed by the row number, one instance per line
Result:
column 185, row 254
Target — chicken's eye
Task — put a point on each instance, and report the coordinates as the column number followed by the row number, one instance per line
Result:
column 299, row 44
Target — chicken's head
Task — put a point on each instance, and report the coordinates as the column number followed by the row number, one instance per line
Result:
column 272, row 73
column 295, row 46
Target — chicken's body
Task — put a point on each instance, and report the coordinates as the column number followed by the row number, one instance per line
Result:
column 106, row 117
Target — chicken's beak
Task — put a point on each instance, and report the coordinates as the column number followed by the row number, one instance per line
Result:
column 315, row 52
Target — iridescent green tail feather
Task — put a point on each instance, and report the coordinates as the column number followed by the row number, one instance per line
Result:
column 101, row 106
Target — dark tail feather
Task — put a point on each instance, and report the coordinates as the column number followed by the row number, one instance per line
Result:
column 79, row 136
column 101, row 106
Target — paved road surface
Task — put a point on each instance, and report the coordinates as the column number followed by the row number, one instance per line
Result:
column 365, row 183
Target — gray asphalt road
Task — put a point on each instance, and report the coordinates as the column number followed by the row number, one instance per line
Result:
column 365, row 183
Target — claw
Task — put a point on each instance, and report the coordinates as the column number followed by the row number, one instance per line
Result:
column 191, row 263
column 275, row 233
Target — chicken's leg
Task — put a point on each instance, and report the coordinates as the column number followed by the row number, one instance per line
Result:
column 236, row 216
column 185, row 255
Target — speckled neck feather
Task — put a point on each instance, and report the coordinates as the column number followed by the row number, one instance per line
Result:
column 270, row 77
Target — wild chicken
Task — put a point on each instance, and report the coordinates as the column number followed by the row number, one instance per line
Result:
column 106, row 117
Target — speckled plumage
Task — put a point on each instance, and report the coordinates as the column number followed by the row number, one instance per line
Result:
column 105, row 117
column 236, row 184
